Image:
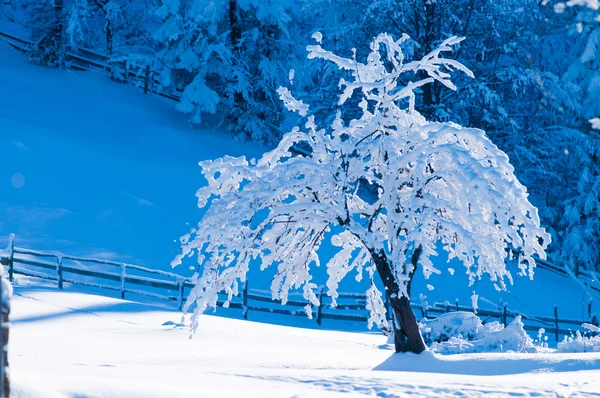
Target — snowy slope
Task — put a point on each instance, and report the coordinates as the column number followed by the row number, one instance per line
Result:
column 97, row 168
column 73, row 344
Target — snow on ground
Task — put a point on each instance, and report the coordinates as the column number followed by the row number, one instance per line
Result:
column 72, row 344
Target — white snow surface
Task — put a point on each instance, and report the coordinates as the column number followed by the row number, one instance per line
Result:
column 69, row 343
column 580, row 343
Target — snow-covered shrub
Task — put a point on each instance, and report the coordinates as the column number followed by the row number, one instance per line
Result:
column 581, row 343
column 453, row 324
column 541, row 341
column 463, row 332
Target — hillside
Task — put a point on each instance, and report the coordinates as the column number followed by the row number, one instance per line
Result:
column 97, row 168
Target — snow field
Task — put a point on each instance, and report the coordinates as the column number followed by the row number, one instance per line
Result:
column 73, row 344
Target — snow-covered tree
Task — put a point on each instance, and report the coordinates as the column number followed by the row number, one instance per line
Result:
column 585, row 70
column 77, row 18
column 389, row 188
column 577, row 236
column 518, row 49
column 117, row 28
column 47, row 20
column 228, row 57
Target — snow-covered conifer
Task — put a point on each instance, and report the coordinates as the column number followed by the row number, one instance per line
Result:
column 77, row 16
column 228, row 57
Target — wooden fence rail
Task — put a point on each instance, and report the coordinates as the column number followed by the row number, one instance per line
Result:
column 171, row 287
column 84, row 59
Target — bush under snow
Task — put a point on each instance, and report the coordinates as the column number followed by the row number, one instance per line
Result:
column 463, row 332
column 579, row 343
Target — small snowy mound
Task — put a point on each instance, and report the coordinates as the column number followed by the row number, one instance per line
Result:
column 453, row 324
column 463, row 332
column 579, row 343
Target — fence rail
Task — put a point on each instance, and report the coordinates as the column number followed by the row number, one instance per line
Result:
column 85, row 59
column 128, row 278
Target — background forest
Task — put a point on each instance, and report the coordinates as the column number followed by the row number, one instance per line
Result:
column 536, row 90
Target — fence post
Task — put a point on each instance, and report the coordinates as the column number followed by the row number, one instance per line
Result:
column 457, row 305
column 123, row 280
column 146, row 79
column 556, row 322
column 504, row 315
column 590, row 308
column 4, row 321
column 447, row 307
column 181, row 292
column 11, row 256
column 2, row 303
column 320, row 308
column 126, row 64
column 245, row 300
column 59, row 271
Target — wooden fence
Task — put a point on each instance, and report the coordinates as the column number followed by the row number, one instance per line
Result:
column 129, row 279
column 84, row 59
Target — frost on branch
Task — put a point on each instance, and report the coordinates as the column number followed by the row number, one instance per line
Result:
column 431, row 186
column 291, row 103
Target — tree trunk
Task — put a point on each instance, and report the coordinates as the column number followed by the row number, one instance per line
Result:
column 428, row 100
column 5, row 332
column 234, row 25
column 235, row 38
column 52, row 44
column 109, row 35
column 408, row 337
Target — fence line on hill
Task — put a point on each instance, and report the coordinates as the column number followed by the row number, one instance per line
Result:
column 171, row 287
column 84, row 59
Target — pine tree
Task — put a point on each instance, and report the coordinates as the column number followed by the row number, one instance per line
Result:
column 227, row 57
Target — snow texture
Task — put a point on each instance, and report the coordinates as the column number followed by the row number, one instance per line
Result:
column 463, row 332
column 7, row 293
column 581, row 343
column 92, row 346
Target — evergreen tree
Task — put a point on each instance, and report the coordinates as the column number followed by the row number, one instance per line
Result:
column 227, row 57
